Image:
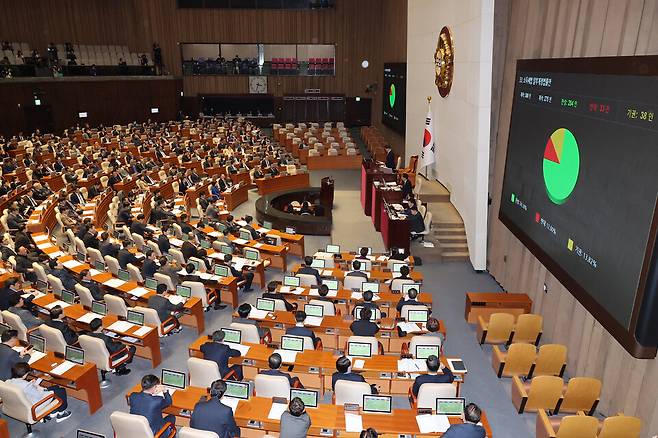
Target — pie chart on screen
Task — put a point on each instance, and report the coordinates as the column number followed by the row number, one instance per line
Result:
column 391, row 95
column 561, row 165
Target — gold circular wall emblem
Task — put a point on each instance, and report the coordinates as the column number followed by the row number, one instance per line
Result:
column 444, row 62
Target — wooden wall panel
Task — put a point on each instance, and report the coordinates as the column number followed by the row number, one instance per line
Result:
column 564, row 28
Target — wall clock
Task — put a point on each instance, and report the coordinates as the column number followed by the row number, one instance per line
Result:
column 444, row 62
column 257, row 84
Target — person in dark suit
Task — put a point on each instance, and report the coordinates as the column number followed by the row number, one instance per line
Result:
column 363, row 326
column 186, row 228
column 113, row 347
column 363, row 253
column 57, row 322
column 106, row 247
column 274, row 362
column 413, row 293
column 163, row 240
column 124, row 256
column 416, row 223
column 150, row 266
column 90, row 239
column 368, row 303
column 243, row 318
column 274, row 295
column 432, row 375
column 248, row 277
column 300, row 330
column 56, row 269
column 343, row 372
column 139, row 226
column 7, row 292
column 10, row 357
column 407, row 188
column 93, row 287
column 164, row 307
column 213, row 416
column 220, row 353
column 150, row 403
column 357, row 272
column 190, row 275
column 307, row 269
column 188, row 249
column 471, row 427
column 390, row 157
column 252, row 230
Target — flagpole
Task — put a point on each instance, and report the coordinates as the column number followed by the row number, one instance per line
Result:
column 429, row 105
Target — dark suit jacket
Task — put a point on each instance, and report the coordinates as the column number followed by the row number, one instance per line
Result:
column 352, row 377
column 70, row 336
column 216, row 417
column 138, row 228
column 163, row 243
column 111, row 345
column 219, row 353
column 407, row 189
column 278, row 373
column 124, row 257
column 108, row 248
column 445, row 377
column 364, row 328
column 301, row 331
column 9, row 358
column 404, row 302
column 357, row 274
column 189, row 250
column 310, row 271
column 149, row 268
column 465, row 430
column 163, row 306
column 390, row 160
column 90, row 241
column 150, row 406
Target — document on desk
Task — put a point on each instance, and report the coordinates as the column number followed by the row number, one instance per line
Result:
column 71, row 264
column 94, row 272
column 62, row 368
column 238, row 264
column 142, row 330
column 277, row 410
column 88, row 317
column 285, row 289
column 138, row 291
column 46, row 245
column 35, row 294
column 35, row 356
column 56, row 254
column 217, row 255
column 327, row 272
column 41, row 238
column 298, row 291
column 353, row 422
column 243, row 349
column 209, row 277
column 231, row 402
column 432, row 423
column 176, row 299
column 215, row 234
column 242, row 223
column 287, row 356
column 240, row 241
column 257, row 313
column 409, row 327
column 114, row 282
column 176, row 242
column 358, row 364
column 258, row 245
column 314, row 321
column 57, row 303
column 121, row 326
column 411, row 365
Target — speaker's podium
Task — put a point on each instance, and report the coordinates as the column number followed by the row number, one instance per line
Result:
column 371, row 171
column 327, row 192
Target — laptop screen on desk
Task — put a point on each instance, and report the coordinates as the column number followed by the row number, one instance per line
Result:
column 308, row 396
column 42, row 286
column 135, row 317
column 99, row 266
column 294, row 343
column 87, row 434
column 75, row 355
column 408, row 286
column 314, row 310
column 331, row 284
column 184, row 291
column 359, row 349
column 237, row 390
column 268, row 225
column 99, row 308
column 265, row 304
column 123, row 275
column 225, row 249
column 232, row 335
column 173, row 378
column 450, row 406
column 417, row 315
column 221, row 271
column 333, row 249
column 195, row 263
column 250, row 254
column 81, row 257
column 68, row 297
column 245, row 235
column 38, row 342
column 371, row 286
column 318, row 264
column 377, row 403
column 425, row 351
column 291, row 281
column 151, row 283
column 205, row 244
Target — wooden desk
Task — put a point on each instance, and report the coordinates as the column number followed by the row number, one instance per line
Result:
column 395, row 231
column 484, row 304
column 280, row 183
column 380, row 193
column 236, row 196
column 81, row 381
column 369, row 172
column 375, row 274
column 342, row 161
column 295, row 242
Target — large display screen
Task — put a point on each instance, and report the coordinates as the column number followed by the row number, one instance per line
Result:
column 394, row 99
column 581, row 177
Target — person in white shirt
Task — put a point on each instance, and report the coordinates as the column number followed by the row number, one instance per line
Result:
column 35, row 393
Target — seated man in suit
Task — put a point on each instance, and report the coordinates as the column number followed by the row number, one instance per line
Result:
column 220, row 353
column 415, row 219
column 274, row 362
column 124, row 256
column 189, row 248
column 186, row 228
column 243, row 318
column 300, row 330
column 213, row 416
column 18, row 308
column 407, row 188
column 411, row 300
column 93, row 287
column 432, row 376
column 163, row 240
column 106, row 247
column 363, row 326
column 139, row 226
column 363, row 254
column 471, row 428
column 57, row 322
column 274, row 295
column 323, row 291
column 343, row 372
column 248, row 277
column 166, row 310
column 10, row 357
column 90, row 239
column 151, row 401
column 368, row 303
column 113, row 347
column 307, row 269
column 56, row 269
column 404, row 273
column 356, row 265
column 150, row 265
column 254, row 234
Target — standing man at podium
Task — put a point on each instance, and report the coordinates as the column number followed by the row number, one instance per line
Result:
column 390, row 157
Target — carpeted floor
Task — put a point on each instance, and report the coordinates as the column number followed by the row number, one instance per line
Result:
column 448, row 282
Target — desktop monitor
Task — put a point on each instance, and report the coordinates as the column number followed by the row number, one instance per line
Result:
column 314, row 310
column 308, row 396
column 68, row 297
column 371, row 286
column 221, row 227
column 359, row 349
column 291, row 281
column 450, row 406
column 195, row 263
column 293, row 343
column 75, row 355
column 42, row 286
column 38, row 342
column 221, row 271
column 425, row 351
column 225, row 249
column 290, row 230
column 333, row 249
column 318, row 264
column 151, row 283
column 408, row 286
column 86, row 434
column 99, row 266
column 265, row 304
column 205, row 244
column 420, row 315
column 183, row 291
column 135, row 317
column 123, row 275
column 245, row 235
column 81, row 257
column 251, row 254
column 237, row 390
column 377, row 403
column 268, row 225
column 331, row 284
column 232, row 335
column 357, row 313
column 397, row 266
column 172, row 378
column 99, row 308
column 369, row 249
column 185, row 237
